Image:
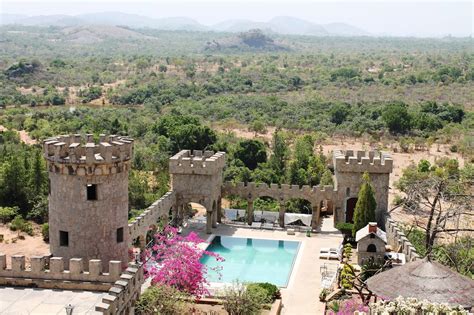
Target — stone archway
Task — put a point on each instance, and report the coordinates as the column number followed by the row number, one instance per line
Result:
column 350, row 207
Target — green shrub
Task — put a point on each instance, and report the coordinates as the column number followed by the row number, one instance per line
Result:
column 19, row 224
column 323, row 294
column 347, row 251
column 345, row 227
column 45, row 232
column 397, row 200
column 272, row 291
column 161, row 299
column 8, row 213
column 239, row 300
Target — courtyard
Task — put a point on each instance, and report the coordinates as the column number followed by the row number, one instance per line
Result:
column 301, row 294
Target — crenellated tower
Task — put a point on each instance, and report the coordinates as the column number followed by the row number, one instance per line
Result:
column 88, row 198
column 349, row 167
column 196, row 176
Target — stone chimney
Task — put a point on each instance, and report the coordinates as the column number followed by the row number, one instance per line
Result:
column 373, row 227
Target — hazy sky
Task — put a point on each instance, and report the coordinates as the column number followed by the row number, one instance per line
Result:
column 419, row 18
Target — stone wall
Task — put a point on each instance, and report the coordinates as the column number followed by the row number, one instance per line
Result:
column 46, row 272
column 158, row 210
column 398, row 241
column 281, row 192
column 124, row 293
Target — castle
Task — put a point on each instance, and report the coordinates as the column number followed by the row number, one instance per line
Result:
column 88, row 210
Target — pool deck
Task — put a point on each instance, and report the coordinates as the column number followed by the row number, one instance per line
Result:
column 301, row 297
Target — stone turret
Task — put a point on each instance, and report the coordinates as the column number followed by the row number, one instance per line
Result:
column 88, row 199
column 349, row 166
column 197, row 177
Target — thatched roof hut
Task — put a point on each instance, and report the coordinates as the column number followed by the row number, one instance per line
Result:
column 424, row 279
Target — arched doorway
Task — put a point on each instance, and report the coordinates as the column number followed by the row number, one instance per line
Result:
column 350, row 206
column 371, row 248
column 299, row 212
column 266, row 210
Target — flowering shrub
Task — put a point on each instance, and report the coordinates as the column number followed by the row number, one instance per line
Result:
column 348, row 307
column 174, row 260
column 410, row 306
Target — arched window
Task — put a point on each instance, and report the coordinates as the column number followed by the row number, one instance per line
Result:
column 371, row 248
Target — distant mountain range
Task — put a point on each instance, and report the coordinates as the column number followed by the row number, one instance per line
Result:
column 278, row 25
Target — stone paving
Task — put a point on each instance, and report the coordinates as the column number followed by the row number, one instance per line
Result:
column 22, row 301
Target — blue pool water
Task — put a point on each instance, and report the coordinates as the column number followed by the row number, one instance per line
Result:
column 252, row 260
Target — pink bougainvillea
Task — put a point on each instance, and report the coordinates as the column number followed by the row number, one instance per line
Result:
column 348, row 307
column 174, row 260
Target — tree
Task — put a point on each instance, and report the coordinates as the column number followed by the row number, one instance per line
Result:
column 439, row 200
column 364, row 211
column 251, row 152
column 338, row 113
column 278, row 159
column 179, row 260
column 397, row 118
column 38, row 175
column 326, row 179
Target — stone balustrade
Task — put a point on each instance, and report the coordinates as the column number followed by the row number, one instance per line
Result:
column 50, row 272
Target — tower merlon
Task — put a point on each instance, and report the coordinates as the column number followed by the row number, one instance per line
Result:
column 75, row 151
column 196, row 162
column 362, row 161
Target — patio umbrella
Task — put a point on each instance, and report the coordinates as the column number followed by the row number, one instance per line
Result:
column 424, row 279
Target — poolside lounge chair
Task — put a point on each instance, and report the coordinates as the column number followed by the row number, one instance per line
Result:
column 329, row 253
column 256, row 225
column 268, row 226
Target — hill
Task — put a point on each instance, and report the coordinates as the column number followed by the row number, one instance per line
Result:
column 285, row 25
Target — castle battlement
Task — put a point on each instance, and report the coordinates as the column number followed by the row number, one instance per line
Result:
column 283, row 191
column 123, row 293
column 74, row 154
column 46, row 272
column 362, row 161
column 197, row 162
column 159, row 209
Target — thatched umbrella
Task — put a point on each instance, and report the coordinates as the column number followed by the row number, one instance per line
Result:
column 424, row 279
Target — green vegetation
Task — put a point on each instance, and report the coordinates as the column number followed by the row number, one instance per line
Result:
column 440, row 192
column 45, row 232
column 272, row 291
column 162, row 299
column 170, row 89
column 20, row 225
column 239, row 300
column 364, row 211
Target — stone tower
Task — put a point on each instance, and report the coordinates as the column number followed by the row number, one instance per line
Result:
column 349, row 167
column 88, row 198
column 197, row 177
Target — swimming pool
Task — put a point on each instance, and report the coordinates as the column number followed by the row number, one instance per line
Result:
column 252, row 260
